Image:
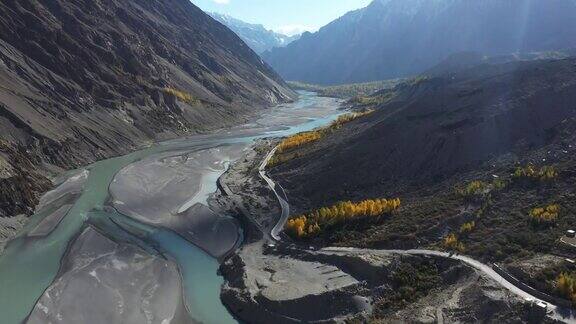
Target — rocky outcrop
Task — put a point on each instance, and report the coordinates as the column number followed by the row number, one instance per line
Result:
column 85, row 80
column 289, row 284
column 279, row 288
column 20, row 182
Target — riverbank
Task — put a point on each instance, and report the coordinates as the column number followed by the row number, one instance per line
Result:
column 281, row 284
column 243, row 192
column 268, row 281
column 9, row 227
column 155, row 199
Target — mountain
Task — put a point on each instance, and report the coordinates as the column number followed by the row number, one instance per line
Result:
column 430, row 139
column 476, row 156
column 256, row 36
column 398, row 38
column 82, row 80
column 430, row 129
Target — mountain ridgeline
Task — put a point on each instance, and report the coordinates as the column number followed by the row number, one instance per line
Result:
column 436, row 129
column 398, row 38
column 256, row 36
column 82, row 80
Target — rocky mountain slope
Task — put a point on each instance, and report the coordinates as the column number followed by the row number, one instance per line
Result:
column 397, row 38
column 83, row 80
column 256, row 36
column 427, row 131
column 476, row 156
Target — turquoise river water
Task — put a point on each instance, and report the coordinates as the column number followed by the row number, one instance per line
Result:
column 30, row 264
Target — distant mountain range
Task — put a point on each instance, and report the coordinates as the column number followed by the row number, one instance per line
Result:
column 256, row 36
column 398, row 38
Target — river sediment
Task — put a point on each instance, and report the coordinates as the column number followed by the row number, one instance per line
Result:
column 156, row 212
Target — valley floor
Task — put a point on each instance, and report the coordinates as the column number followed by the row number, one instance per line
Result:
column 277, row 281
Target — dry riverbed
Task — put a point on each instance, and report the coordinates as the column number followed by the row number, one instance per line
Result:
column 169, row 190
column 131, row 284
column 136, row 224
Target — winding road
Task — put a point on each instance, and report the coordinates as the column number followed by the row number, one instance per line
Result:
column 285, row 207
column 556, row 312
column 484, row 268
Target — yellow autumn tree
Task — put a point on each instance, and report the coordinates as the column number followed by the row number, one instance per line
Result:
column 547, row 214
column 467, row 227
column 566, row 285
column 310, row 224
column 451, row 242
column 296, row 226
column 292, row 142
column 298, row 140
column 545, row 173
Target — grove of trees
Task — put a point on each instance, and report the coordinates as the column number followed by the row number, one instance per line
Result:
column 451, row 242
column 473, row 188
column 530, row 172
column 310, row 225
column 300, row 139
column 347, row 90
column 547, row 214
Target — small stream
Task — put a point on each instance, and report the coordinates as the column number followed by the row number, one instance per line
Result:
column 31, row 263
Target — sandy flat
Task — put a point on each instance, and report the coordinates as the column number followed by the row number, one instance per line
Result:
column 171, row 190
column 71, row 186
column 49, row 223
column 105, row 282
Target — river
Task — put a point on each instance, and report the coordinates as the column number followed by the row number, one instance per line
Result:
column 34, row 260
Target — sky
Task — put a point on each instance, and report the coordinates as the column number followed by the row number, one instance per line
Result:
column 285, row 16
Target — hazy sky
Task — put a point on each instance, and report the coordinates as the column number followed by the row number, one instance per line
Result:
column 287, row 16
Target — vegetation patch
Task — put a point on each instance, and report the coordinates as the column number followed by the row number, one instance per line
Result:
column 310, row 225
column 452, row 243
column 292, row 142
column 299, row 140
column 545, row 215
column 473, row 189
column 478, row 190
column 385, row 95
column 181, row 95
column 566, row 286
column 467, row 227
column 532, row 173
column 410, row 281
column 347, row 90
column 373, row 100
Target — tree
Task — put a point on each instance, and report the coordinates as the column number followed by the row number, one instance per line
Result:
column 566, row 285
column 309, row 225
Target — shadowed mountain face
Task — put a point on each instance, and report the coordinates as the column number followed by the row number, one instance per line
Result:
column 396, row 38
column 256, row 36
column 439, row 127
column 82, row 80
